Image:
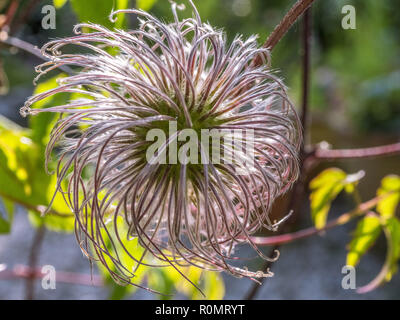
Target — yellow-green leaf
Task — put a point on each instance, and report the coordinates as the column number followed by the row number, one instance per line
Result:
column 123, row 253
column 393, row 230
column 41, row 123
column 325, row 188
column 96, row 11
column 53, row 222
column 365, row 235
column 387, row 206
column 390, row 267
column 6, row 215
column 210, row 283
column 17, row 162
column 59, row 3
column 213, row 286
column 145, row 4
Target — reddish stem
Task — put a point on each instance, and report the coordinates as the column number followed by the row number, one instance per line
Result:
column 343, row 219
column 282, row 28
column 25, row 272
column 386, row 150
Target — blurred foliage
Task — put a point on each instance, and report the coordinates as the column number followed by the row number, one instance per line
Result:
column 327, row 186
column 356, row 72
column 98, row 11
column 367, row 232
column 346, row 63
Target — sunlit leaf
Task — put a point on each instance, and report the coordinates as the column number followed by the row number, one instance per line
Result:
column 212, row 286
column 41, row 123
column 145, row 4
column 325, row 188
column 393, row 234
column 22, row 167
column 161, row 281
column 210, row 283
column 367, row 231
column 390, row 267
column 165, row 279
column 387, row 206
column 6, row 215
column 115, row 249
column 96, row 11
column 23, row 179
column 17, row 153
column 53, row 222
column 59, row 3
column 118, row 292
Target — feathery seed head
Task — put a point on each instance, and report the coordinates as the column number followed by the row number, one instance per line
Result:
column 151, row 89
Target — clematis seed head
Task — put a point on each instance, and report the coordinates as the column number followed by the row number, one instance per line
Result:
column 186, row 76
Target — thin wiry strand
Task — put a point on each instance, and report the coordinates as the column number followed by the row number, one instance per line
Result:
column 129, row 82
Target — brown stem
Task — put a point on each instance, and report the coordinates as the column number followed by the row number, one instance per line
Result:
column 23, row 45
column 26, row 46
column 386, row 150
column 12, row 9
column 32, row 261
column 25, row 272
column 297, row 195
column 37, row 209
column 341, row 220
column 282, row 28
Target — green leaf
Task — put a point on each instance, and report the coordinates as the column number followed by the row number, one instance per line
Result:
column 96, row 11
column 16, row 158
column 60, row 218
column 6, row 215
column 59, row 3
column 325, row 188
column 166, row 280
column 367, row 231
column 213, row 287
column 393, row 231
column 52, row 222
column 23, row 179
column 42, row 123
column 390, row 267
column 118, row 292
column 120, row 252
column 210, row 283
column 145, row 5
column 161, row 281
column 387, row 206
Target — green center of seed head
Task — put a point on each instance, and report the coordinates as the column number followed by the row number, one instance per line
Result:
column 201, row 127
